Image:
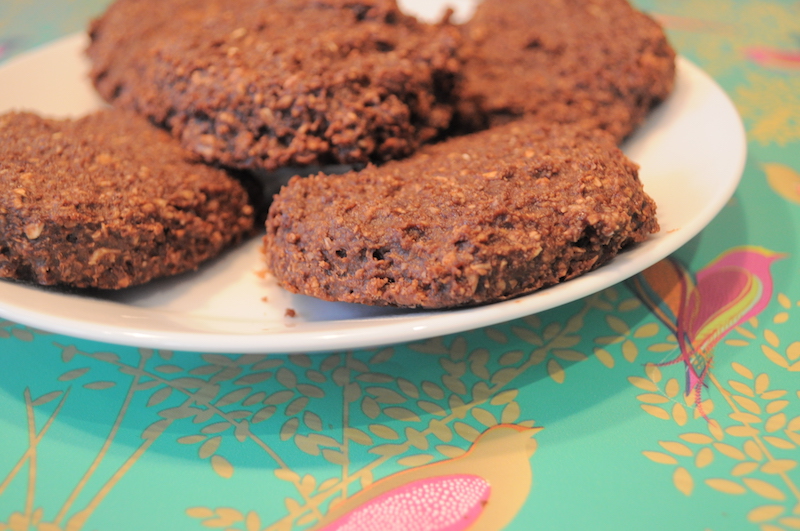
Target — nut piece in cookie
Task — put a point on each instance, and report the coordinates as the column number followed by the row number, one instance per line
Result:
column 599, row 63
column 476, row 219
column 108, row 201
column 263, row 84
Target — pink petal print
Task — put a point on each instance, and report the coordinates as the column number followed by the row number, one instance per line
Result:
column 774, row 57
column 443, row 503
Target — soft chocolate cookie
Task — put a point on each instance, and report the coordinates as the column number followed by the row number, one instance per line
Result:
column 108, row 201
column 272, row 83
column 599, row 63
column 475, row 219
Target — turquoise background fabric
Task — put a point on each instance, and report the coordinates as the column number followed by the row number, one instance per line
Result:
column 102, row 437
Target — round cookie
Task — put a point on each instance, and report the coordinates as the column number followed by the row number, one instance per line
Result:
column 599, row 63
column 473, row 220
column 108, row 201
column 272, row 83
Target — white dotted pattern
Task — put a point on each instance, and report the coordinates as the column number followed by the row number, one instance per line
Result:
column 444, row 503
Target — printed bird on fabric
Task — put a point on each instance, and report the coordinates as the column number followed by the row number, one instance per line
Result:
column 480, row 490
column 777, row 58
column 701, row 311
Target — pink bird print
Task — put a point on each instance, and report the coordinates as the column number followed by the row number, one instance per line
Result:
column 780, row 58
column 774, row 57
column 480, row 490
column 735, row 287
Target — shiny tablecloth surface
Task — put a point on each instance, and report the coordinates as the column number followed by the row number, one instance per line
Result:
column 576, row 418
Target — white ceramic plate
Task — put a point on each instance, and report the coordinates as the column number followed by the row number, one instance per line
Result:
column 691, row 152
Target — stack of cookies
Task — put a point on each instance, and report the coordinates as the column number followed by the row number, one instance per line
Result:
column 484, row 155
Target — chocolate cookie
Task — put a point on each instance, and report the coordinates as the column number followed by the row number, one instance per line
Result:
column 108, row 201
column 272, row 83
column 475, row 219
column 600, row 63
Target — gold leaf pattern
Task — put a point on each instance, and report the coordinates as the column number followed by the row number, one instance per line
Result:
column 481, row 391
column 279, row 397
column 778, row 466
column 696, row 438
column 73, row 374
column 742, row 370
column 660, row 457
column 296, row 406
column 432, row 390
column 263, row 414
column 676, row 448
column 199, row 512
column 715, row 429
column 765, row 513
column 775, row 422
column 652, row 398
column 440, row 430
column 334, row 457
column 383, row 431
column 643, row 383
column 466, row 431
column 725, row 485
column 656, row 411
column 792, row 522
column 741, row 431
column 569, row 354
column 742, row 469
column 555, row 371
column 745, row 418
column 450, row 451
column 774, row 357
column 741, row 388
column 646, row 330
column 762, row 488
column 683, row 481
column 454, row 384
column 408, row 388
column 209, row 448
column 630, row 351
column 503, row 376
column 415, row 460
column 370, row 407
column 416, row 439
column 484, row 417
column 527, row 335
column 432, row 408
column 730, row 451
column 222, row 466
column 753, row 451
column 605, row 357
column 512, row 357
column 653, row 372
column 386, row 396
column 618, row 325
column 776, row 406
column 401, row 413
column 748, row 404
column 511, row 413
column 777, row 442
column 679, row 414
column 704, row 457
column 672, row 387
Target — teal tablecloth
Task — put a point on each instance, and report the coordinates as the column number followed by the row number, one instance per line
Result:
column 102, row 437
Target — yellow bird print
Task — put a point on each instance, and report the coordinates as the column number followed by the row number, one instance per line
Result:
column 480, row 490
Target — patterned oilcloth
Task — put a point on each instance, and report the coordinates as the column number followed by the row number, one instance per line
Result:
column 639, row 407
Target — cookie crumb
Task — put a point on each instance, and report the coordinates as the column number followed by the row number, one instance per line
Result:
column 290, row 312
